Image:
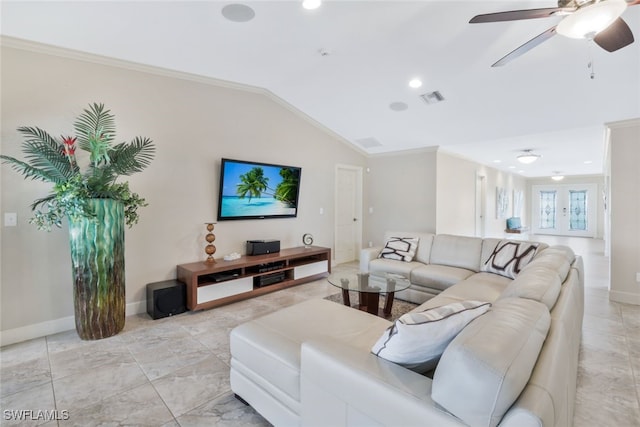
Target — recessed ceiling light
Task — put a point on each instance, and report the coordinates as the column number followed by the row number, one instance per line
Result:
column 398, row 106
column 588, row 162
column 238, row 13
column 520, row 171
column 497, row 161
column 512, row 167
column 415, row 83
column 311, row 4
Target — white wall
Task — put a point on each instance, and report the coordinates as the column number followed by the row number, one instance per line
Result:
column 401, row 191
column 194, row 122
column 624, row 144
column 456, row 196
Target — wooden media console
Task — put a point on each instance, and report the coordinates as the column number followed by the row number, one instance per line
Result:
column 222, row 282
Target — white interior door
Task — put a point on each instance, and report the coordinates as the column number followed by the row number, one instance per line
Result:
column 564, row 210
column 348, row 230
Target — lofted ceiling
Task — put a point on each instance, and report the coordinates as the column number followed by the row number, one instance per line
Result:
column 347, row 63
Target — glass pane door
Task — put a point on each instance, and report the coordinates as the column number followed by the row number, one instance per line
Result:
column 564, row 210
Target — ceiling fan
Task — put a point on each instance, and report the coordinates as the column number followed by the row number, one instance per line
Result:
column 597, row 20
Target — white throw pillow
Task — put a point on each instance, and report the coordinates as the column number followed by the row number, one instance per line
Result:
column 509, row 258
column 400, row 248
column 417, row 339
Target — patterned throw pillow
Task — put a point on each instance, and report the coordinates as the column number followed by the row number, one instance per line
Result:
column 400, row 248
column 417, row 339
column 509, row 257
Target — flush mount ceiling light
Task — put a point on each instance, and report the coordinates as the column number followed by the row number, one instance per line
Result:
column 557, row 176
column 528, row 157
column 238, row 13
column 588, row 21
column 311, row 4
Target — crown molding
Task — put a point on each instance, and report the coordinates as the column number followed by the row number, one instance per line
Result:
column 46, row 49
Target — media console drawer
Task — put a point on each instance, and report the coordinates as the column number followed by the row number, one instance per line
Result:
column 307, row 270
column 224, row 289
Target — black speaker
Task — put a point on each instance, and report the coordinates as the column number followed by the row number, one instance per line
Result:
column 166, row 298
column 261, row 247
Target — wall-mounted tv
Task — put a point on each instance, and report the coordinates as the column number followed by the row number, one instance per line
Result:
column 253, row 190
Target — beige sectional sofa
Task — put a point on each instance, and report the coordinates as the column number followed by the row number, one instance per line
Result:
column 516, row 365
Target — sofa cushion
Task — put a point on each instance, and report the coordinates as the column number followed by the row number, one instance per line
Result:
column 438, row 276
column 537, row 283
column 417, row 339
column 381, row 266
column 510, row 257
column 486, row 367
column 456, row 251
column 400, row 249
column 268, row 347
column 424, row 246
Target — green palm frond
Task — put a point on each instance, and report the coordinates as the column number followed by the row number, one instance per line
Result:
column 43, row 152
column 95, row 129
column 127, row 159
column 45, row 159
column 29, row 171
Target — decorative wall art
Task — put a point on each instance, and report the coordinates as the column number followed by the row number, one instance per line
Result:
column 502, row 203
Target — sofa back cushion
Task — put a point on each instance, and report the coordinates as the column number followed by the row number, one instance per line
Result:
column 486, row 367
column 537, row 283
column 456, row 251
column 425, row 241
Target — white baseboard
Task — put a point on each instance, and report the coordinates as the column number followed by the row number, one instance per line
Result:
column 50, row 327
column 624, row 297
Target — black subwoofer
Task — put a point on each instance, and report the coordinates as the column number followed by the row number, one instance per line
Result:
column 166, row 298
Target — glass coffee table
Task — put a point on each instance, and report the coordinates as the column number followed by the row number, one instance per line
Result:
column 369, row 289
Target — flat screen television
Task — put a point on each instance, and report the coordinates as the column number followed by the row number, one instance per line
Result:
column 253, row 190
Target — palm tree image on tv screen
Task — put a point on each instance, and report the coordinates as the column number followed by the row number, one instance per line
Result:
column 251, row 190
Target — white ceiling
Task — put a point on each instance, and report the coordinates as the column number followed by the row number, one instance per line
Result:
column 544, row 100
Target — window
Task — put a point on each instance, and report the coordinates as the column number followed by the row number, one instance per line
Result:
column 548, row 209
column 578, row 210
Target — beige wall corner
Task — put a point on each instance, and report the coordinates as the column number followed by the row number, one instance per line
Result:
column 624, row 176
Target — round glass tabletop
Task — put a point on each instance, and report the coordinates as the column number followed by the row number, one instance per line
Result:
column 365, row 282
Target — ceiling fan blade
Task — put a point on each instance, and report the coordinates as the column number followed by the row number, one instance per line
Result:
column 515, row 15
column 614, row 37
column 526, row 47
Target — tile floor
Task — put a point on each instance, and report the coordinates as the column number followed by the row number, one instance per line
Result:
column 175, row 371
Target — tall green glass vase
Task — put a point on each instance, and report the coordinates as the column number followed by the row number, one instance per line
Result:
column 97, row 259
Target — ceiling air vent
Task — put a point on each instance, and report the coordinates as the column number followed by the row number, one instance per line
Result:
column 432, row 97
column 368, row 142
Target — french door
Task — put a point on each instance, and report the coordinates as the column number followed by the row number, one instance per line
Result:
column 564, row 210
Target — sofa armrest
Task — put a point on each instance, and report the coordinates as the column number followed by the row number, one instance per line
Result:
column 343, row 385
column 366, row 255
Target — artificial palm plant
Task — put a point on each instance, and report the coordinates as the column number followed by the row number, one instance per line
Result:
column 52, row 160
column 96, row 206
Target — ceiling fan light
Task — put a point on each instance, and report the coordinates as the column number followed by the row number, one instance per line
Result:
column 528, row 157
column 588, row 21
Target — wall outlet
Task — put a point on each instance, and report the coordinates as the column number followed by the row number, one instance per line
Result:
column 370, row 244
column 638, row 277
